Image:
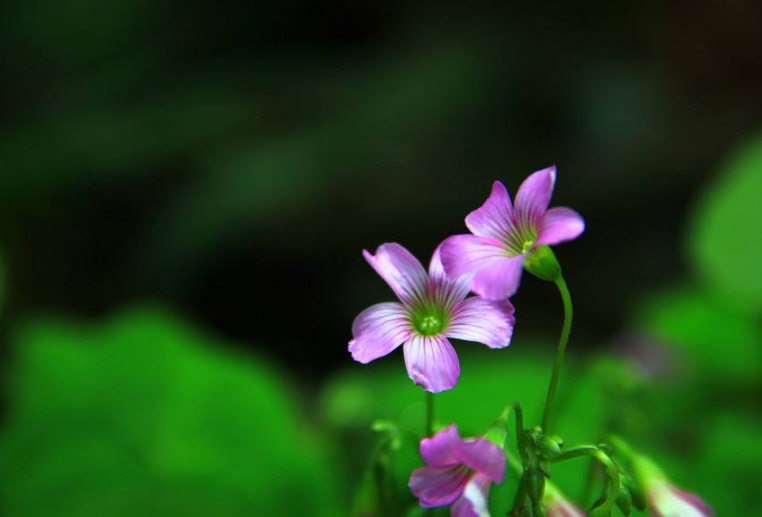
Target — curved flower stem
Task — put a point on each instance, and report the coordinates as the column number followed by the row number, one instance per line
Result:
column 518, row 413
column 561, row 351
column 429, row 413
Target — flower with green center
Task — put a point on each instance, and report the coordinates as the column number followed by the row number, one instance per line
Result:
column 432, row 309
column 504, row 235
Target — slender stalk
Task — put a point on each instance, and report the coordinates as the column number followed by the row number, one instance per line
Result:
column 561, row 351
column 429, row 413
column 576, row 452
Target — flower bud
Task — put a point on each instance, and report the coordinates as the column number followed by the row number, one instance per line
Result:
column 664, row 498
column 550, row 446
column 557, row 505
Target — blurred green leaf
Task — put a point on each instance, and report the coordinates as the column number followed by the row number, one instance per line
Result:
column 715, row 341
column 731, row 464
column 724, row 241
column 142, row 416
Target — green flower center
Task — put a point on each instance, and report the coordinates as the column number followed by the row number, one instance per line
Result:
column 429, row 323
column 527, row 245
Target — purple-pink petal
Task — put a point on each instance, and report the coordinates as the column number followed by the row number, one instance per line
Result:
column 431, row 362
column 401, row 270
column 474, row 500
column 500, row 279
column 483, row 321
column 467, row 254
column 439, row 450
column 484, row 457
column 533, row 196
column 445, row 291
column 494, row 219
column 438, row 486
column 560, row 224
column 378, row 330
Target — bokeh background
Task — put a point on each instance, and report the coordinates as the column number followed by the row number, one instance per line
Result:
column 186, row 188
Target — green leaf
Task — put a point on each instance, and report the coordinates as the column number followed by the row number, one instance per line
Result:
column 724, row 242
column 146, row 416
column 711, row 338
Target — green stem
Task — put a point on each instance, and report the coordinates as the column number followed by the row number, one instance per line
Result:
column 518, row 413
column 521, row 492
column 566, row 330
column 576, row 452
column 612, row 471
column 429, row 413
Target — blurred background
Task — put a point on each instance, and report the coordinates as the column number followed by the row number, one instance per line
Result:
column 186, row 188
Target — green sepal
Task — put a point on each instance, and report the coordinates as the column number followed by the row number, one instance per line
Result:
column 527, row 511
column 497, row 434
column 624, row 499
column 542, row 263
column 636, row 492
column 600, row 511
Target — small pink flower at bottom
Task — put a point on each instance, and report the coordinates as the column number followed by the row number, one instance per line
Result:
column 459, row 473
column 432, row 309
column 666, row 500
column 557, row 505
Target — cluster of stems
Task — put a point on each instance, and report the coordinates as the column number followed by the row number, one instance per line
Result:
column 538, row 449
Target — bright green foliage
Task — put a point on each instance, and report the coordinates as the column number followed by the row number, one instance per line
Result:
column 730, row 466
column 725, row 241
column 141, row 416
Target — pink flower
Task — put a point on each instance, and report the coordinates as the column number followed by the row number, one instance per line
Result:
column 433, row 308
column 459, row 473
column 666, row 500
column 503, row 235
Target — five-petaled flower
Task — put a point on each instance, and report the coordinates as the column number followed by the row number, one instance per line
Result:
column 433, row 308
column 459, row 473
column 503, row 234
